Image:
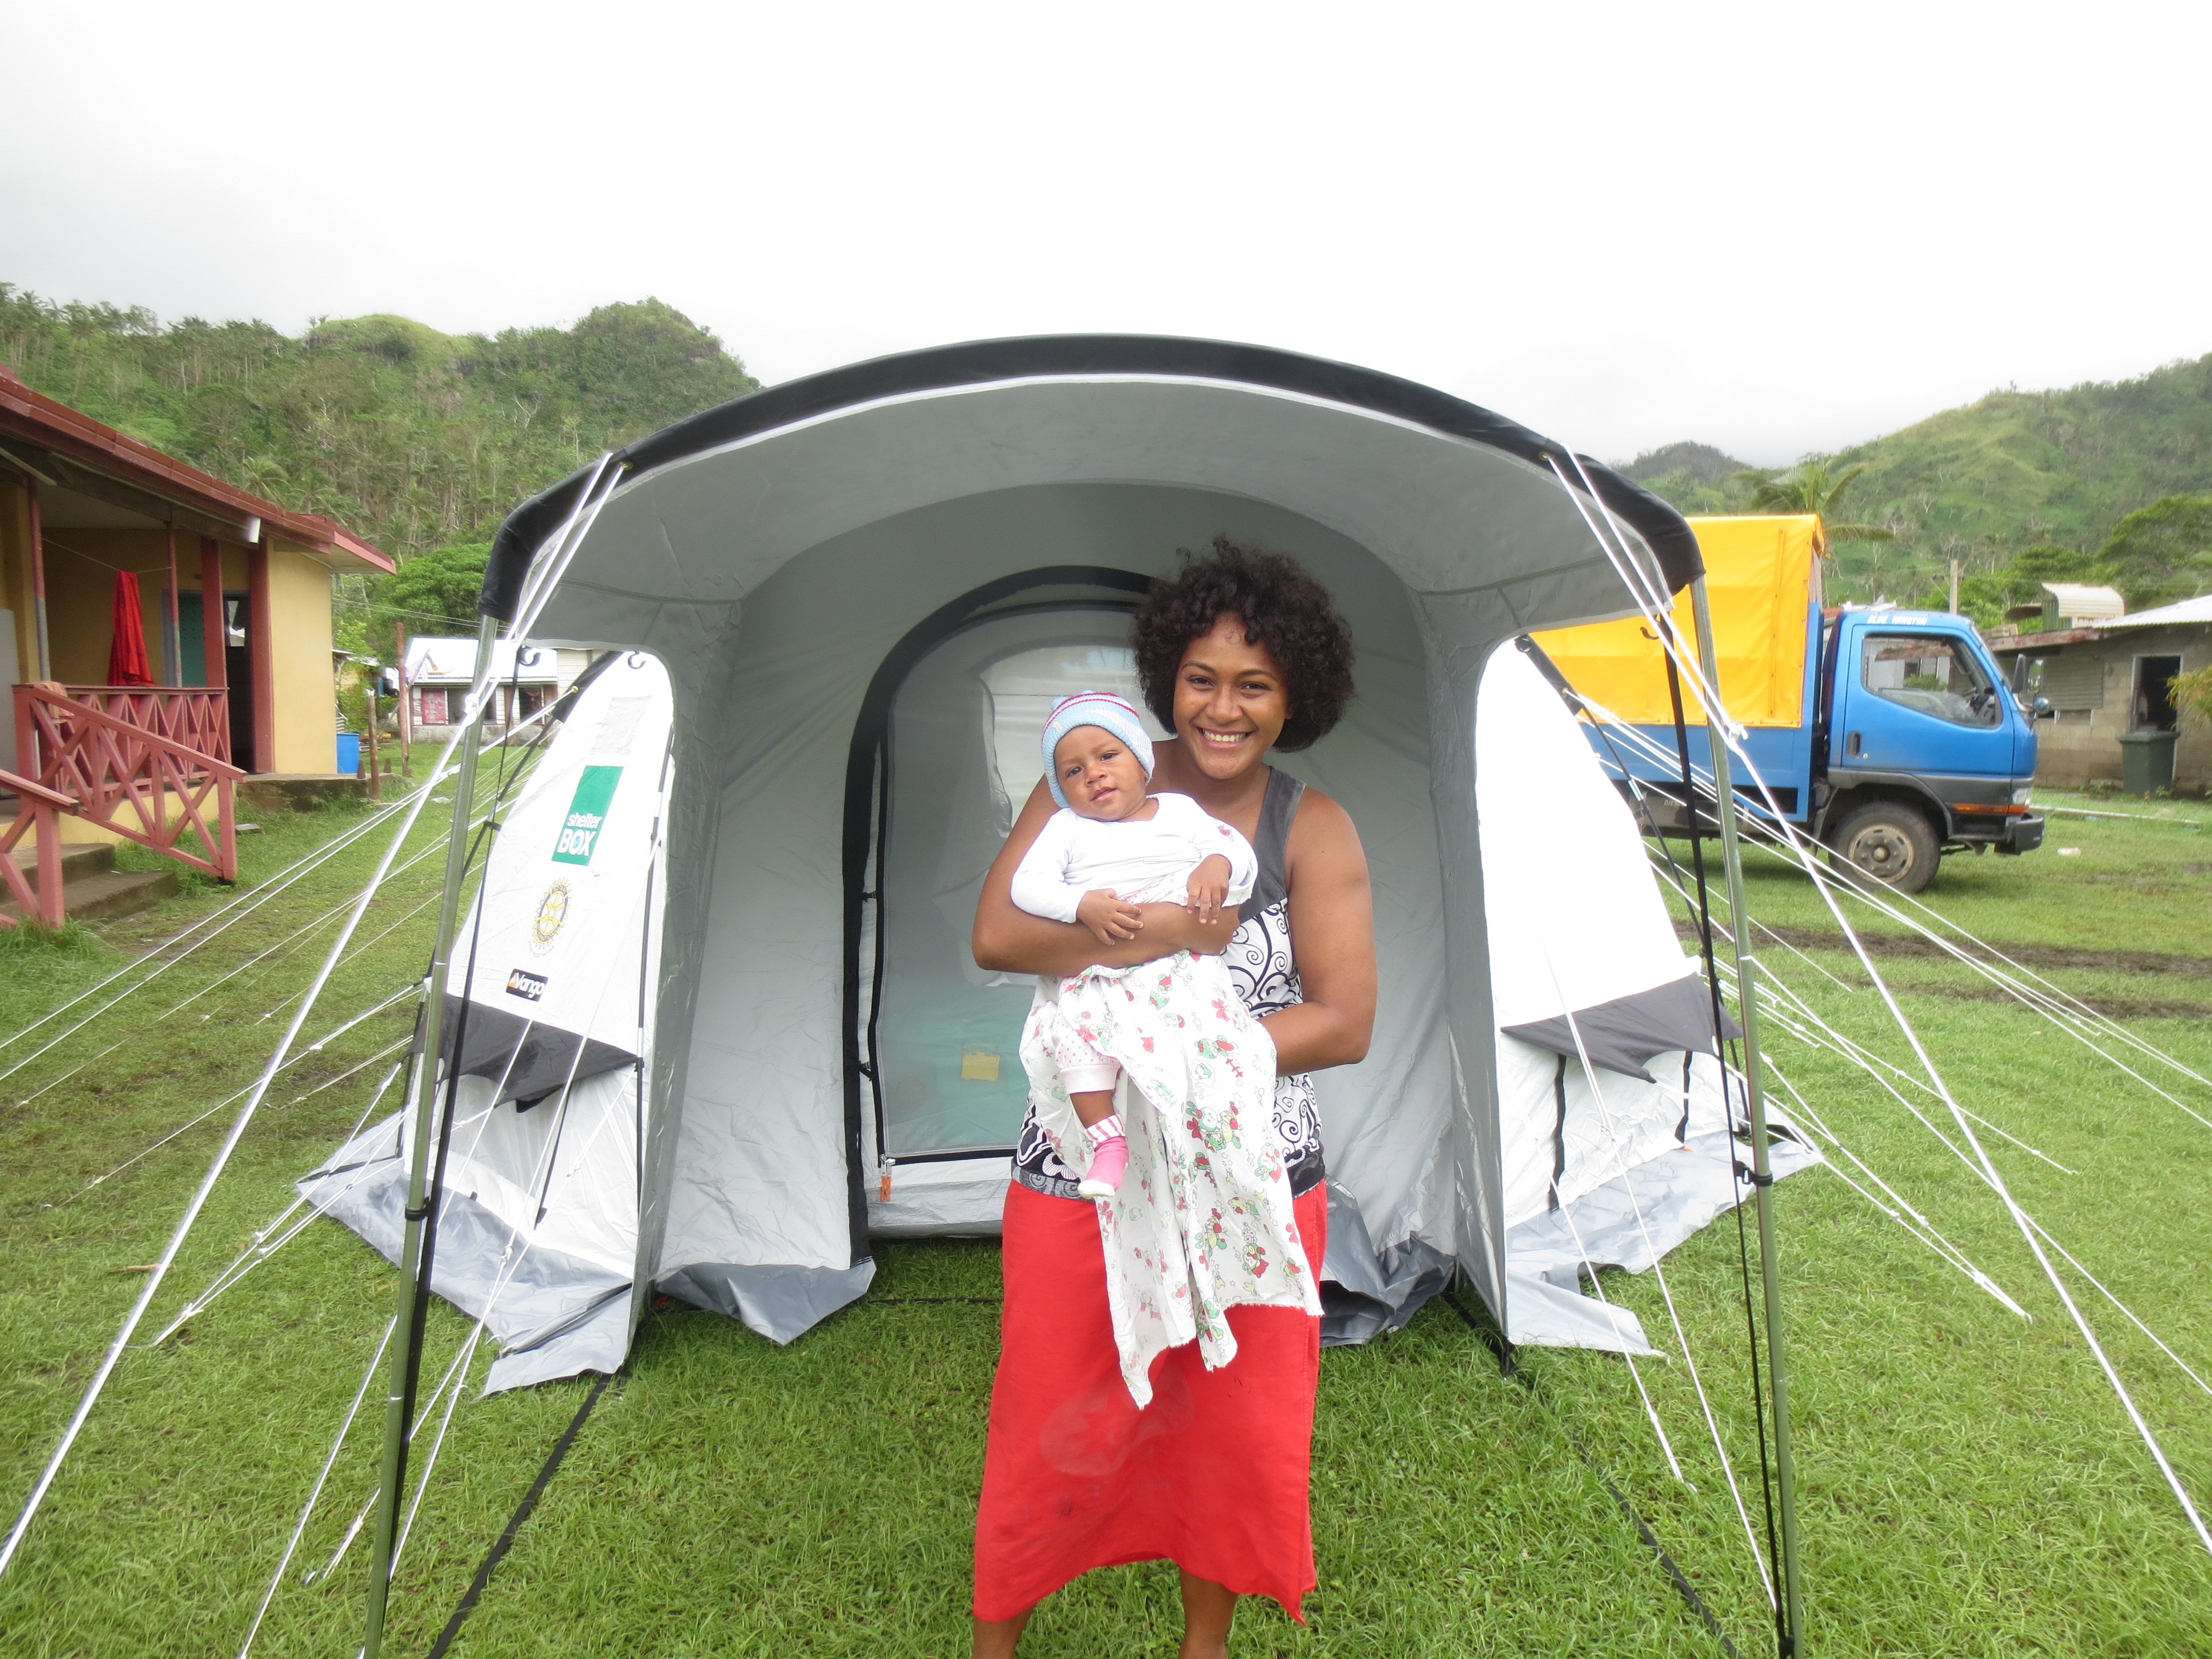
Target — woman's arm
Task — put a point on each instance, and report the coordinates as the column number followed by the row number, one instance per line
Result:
column 1010, row 940
column 1333, row 940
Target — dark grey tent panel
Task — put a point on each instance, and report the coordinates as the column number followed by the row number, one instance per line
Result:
column 1623, row 1034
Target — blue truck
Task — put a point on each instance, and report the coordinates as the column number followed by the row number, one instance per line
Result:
column 1887, row 733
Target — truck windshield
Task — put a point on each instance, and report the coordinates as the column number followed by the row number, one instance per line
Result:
column 1933, row 674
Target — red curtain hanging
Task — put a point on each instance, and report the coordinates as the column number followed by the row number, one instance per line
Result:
column 126, row 657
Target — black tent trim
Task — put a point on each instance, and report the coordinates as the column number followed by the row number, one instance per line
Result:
column 1623, row 1034
column 982, row 362
column 867, row 828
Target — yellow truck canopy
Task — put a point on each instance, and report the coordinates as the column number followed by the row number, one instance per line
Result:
column 1760, row 573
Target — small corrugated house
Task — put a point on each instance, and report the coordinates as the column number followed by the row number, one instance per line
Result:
column 440, row 670
column 2107, row 678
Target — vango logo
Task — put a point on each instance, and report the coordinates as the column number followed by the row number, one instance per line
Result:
column 587, row 815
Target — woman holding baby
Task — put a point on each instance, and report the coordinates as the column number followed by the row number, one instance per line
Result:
column 1239, row 653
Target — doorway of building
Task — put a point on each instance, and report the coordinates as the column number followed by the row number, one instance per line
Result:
column 238, row 668
column 2153, row 708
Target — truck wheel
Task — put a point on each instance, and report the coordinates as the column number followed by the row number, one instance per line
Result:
column 1891, row 842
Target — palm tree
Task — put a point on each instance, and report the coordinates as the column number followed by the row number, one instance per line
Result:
column 1812, row 486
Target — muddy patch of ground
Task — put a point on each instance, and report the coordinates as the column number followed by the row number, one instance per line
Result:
column 2037, row 957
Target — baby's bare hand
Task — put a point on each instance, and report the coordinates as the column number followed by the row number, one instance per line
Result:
column 1111, row 920
column 1209, row 886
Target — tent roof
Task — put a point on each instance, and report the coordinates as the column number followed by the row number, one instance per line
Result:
column 1064, row 358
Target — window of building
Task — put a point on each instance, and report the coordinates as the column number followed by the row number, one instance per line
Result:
column 1930, row 673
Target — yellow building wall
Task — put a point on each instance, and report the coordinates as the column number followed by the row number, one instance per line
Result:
column 305, row 694
column 80, row 567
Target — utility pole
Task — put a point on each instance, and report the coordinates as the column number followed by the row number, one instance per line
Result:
column 1954, row 588
column 406, row 728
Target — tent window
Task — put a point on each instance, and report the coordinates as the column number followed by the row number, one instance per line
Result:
column 944, row 749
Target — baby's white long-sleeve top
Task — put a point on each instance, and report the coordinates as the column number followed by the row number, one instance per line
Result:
column 1146, row 862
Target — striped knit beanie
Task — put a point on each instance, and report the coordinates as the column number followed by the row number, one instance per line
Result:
column 1099, row 708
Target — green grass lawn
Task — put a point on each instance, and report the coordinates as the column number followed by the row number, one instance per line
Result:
column 1969, row 1484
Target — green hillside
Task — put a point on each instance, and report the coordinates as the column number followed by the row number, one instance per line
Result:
column 2021, row 468
column 411, row 438
column 422, row 441
column 1986, row 481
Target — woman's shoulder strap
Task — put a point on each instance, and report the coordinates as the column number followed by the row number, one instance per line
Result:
column 1278, row 808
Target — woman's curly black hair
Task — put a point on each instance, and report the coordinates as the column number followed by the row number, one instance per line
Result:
column 1284, row 609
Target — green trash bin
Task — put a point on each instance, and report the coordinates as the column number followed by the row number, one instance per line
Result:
column 2147, row 761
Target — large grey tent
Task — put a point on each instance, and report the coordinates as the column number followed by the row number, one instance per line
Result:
column 862, row 586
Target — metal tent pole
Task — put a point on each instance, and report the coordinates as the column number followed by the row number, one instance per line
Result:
column 1785, row 1469
column 406, row 1354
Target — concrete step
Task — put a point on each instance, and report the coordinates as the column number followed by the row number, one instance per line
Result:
column 79, row 859
column 95, row 890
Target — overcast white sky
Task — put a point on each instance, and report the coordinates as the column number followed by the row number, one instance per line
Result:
column 1773, row 229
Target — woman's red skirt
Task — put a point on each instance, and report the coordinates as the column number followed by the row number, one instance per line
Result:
column 1212, row 1476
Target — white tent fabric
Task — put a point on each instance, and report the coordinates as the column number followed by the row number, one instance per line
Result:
column 537, row 1231
column 847, row 577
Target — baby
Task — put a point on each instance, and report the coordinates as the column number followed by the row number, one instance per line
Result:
column 1111, row 847
column 1203, row 1221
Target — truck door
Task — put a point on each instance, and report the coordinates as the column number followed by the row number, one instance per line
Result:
column 1919, row 699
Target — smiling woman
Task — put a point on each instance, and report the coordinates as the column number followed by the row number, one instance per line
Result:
column 1239, row 653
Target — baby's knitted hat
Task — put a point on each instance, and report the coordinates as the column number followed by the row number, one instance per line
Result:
column 1099, row 708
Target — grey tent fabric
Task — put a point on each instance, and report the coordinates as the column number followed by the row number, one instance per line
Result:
column 1624, row 1033
column 776, row 554
column 1629, row 1222
column 556, row 1297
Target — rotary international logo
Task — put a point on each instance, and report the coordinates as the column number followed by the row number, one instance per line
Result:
column 552, row 915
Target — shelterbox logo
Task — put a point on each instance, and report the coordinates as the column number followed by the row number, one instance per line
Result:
column 588, row 814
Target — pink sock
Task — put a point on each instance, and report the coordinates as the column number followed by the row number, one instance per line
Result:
column 1109, row 1155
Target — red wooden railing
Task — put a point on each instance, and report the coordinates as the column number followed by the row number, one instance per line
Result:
column 124, row 753
column 195, row 717
column 38, row 809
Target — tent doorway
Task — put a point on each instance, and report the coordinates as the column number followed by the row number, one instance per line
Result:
column 943, row 755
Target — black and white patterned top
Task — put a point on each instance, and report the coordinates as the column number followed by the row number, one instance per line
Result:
column 1265, row 973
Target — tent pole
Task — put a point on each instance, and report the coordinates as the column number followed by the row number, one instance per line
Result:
column 406, row 1354
column 1790, row 1637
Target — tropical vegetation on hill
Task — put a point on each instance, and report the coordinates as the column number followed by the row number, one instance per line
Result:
column 421, row 442
column 413, row 439
column 2104, row 482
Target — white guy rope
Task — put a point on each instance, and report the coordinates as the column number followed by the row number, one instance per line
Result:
column 2074, row 1015
column 1718, row 723
column 314, row 1496
column 1658, row 1272
column 259, row 1249
column 161, row 1268
column 250, row 901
